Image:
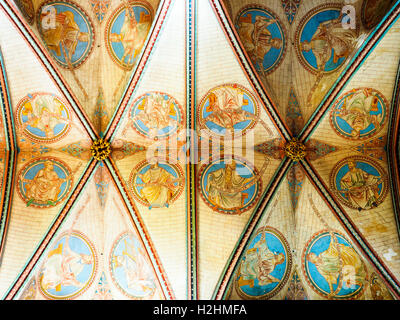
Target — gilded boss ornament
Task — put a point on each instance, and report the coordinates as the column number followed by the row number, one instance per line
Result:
column 101, row 149
column 295, row 150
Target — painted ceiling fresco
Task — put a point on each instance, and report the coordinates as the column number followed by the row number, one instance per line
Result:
column 199, row 149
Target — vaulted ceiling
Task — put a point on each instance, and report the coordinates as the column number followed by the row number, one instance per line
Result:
column 199, row 149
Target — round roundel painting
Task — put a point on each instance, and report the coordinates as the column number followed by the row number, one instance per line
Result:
column 130, row 268
column 156, row 115
column 228, row 111
column 263, row 37
column 67, row 32
column 158, row 184
column 265, row 265
column 373, row 11
column 43, row 117
column 321, row 42
column 333, row 268
column 126, row 32
column 44, row 182
column 229, row 185
column 359, row 114
column 359, row 182
column 68, row 268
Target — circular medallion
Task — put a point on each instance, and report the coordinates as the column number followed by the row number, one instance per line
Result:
column 333, row 268
column 263, row 37
column 359, row 182
column 322, row 44
column 126, row 32
column 359, row 114
column 67, row 32
column 229, row 185
column 27, row 9
column 227, row 111
column 378, row 289
column 158, row 184
column 265, row 265
column 69, row 267
column 130, row 268
column 43, row 117
column 156, row 115
column 44, row 182
column 373, row 11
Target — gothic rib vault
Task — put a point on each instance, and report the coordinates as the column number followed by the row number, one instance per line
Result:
column 307, row 209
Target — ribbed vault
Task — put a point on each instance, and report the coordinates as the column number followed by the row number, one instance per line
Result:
column 306, row 108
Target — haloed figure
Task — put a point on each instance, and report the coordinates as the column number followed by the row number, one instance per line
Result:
column 223, row 185
column 258, row 264
column 257, row 39
column 330, row 41
column 45, row 186
column 62, row 267
column 158, row 186
column 340, row 265
column 360, row 187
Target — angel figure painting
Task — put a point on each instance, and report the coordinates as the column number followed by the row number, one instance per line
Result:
column 130, row 269
column 228, row 110
column 43, row 117
column 127, row 32
column 264, row 266
column 67, row 33
column 68, row 268
column 157, row 185
column 44, row 182
column 359, row 182
column 334, row 267
column 156, row 115
column 229, row 187
column 359, row 114
column 263, row 38
column 323, row 44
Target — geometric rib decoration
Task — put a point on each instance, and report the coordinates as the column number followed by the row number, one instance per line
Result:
column 138, row 194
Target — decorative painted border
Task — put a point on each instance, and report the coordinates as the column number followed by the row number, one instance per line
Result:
column 280, row 24
column 311, row 285
column 43, row 159
column 191, row 167
column 393, row 149
column 377, row 166
column 30, row 136
column 288, row 270
column 237, row 211
column 90, row 26
column 180, row 109
column 140, row 165
column 386, row 106
column 108, row 27
column 242, row 132
column 301, row 26
column 89, row 282
column 10, row 160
